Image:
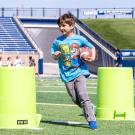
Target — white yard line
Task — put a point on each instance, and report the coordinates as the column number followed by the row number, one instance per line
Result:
column 52, row 104
column 51, row 91
column 56, row 91
column 60, row 86
column 49, row 86
column 56, row 104
column 68, row 122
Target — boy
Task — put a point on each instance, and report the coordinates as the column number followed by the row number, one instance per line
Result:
column 72, row 69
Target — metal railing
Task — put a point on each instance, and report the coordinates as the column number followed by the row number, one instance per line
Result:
column 80, row 13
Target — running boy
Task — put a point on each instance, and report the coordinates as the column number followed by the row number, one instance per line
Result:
column 73, row 70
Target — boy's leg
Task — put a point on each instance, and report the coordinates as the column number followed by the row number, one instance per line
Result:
column 72, row 93
column 80, row 87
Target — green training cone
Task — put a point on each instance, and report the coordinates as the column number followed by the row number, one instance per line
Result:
column 115, row 95
column 18, row 98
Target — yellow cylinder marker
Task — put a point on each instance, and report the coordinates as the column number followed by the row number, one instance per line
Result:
column 115, row 95
column 18, row 98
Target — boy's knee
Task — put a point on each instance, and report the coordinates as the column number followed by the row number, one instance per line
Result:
column 84, row 97
column 85, row 102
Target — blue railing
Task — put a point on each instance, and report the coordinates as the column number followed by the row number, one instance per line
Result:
column 80, row 13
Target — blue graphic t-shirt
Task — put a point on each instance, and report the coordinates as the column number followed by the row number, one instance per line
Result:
column 70, row 64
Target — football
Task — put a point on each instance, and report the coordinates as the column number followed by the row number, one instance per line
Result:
column 85, row 53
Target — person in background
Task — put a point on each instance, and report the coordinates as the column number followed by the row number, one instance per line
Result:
column 32, row 63
column 9, row 62
column 18, row 62
column 1, row 63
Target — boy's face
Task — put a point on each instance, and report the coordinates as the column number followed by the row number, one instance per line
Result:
column 65, row 28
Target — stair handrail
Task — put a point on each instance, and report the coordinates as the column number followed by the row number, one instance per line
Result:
column 20, row 25
column 96, row 41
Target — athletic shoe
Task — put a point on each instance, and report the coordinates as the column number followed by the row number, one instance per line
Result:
column 93, row 125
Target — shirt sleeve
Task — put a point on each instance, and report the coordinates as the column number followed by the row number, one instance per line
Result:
column 85, row 42
column 54, row 47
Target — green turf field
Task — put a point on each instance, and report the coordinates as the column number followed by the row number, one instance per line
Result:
column 56, row 108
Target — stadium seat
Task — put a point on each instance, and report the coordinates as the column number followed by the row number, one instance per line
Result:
column 11, row 37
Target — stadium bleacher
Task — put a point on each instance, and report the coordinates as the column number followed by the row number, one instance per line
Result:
column 11, row 37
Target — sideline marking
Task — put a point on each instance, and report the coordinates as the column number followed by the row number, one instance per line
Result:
column 67, row 122
column 52, row 104
column 60, row 86
column 41, row 91
column 55, row 104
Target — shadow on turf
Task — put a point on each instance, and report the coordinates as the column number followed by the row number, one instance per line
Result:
column 66, row 123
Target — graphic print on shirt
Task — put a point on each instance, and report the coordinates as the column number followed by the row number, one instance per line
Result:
column 70, row 55
column 74, row 53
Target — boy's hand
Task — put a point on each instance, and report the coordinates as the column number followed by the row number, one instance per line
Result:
column 90, row 59
column 93, row 57
column 56, row 55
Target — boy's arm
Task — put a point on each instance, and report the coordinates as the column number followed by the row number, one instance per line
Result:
column 56, row 55
column 93, row 57
column 54, row 50
column 86, row 43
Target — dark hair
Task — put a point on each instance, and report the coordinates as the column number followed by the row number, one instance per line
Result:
column 8, row 58
column 67, row 18
column 30, row 57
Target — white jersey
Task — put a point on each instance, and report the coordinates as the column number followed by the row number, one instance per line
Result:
column 17, row 62
column 1, row 64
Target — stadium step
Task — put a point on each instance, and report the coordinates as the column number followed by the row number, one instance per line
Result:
column 11, row 38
